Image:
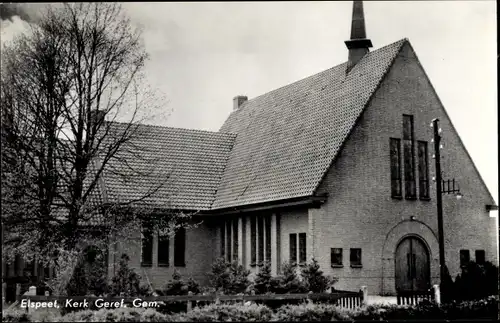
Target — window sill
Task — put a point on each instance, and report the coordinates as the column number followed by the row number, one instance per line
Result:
column 146, row 265
column 423, row 198
column 302, row 264
column 411, row 198
column 397, row 197
column 356, row 266
column 163, row 265
column 180, row 265
column 337, row 266
column 253, row 264
column 293, row 263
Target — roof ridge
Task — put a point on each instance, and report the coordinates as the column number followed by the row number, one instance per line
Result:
column 317, row 73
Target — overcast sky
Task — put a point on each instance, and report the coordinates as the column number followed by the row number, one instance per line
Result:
column 204, row 54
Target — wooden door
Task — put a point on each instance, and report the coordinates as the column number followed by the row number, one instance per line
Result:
column 412, row 266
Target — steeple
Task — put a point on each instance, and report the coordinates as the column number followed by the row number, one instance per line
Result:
column 358, row 45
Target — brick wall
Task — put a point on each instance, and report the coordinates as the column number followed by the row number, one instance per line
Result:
column 360, row 212
column 200, row 252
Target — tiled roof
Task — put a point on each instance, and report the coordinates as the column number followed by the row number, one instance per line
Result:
column 287, row 138
column 164, row 167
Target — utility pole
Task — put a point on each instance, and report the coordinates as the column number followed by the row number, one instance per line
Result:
column 439, row 197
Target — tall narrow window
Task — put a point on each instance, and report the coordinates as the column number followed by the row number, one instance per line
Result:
column 146, row 245
column 464, row 257
column 223, row 240
column 180, row 247
column 253, row 240
column 260, row 228
column 395, row 167
column 302, row 248
column 423, row 170
column 163, row 250
column 268, row 237
column 235, row 239
column 228, row 240
column 336, row 257
column 355, row 257
column 480, row 257
column 409, row 159
column 293, row 248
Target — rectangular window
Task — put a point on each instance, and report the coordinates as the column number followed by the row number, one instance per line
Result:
column 302, row 248
column 146, row 245
column 268, row 237
column 336, row 257
column 423, row 170
column 409, row 159
column 163, row 250
column 260, row 228
column 395, row 167
column 223, row 240
column 480, row 257
column 293, row 248
column 464, row 257
column 235, row 239
column 180, row 247
column 253, row 240
column 355, row 257
column 228, row 240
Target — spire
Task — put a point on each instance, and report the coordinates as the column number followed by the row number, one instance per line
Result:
column 358, row 45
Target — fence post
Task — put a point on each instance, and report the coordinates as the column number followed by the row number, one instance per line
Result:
column 437, row 294
column 18, row 291
column 364, row 290
column 217, row 300
column 4, row 293
column 189, row 303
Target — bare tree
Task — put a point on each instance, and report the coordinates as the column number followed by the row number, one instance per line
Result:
column 63, row 85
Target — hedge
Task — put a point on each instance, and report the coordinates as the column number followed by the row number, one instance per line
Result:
column 483, row 309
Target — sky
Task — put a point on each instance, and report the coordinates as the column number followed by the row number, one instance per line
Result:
column 203, row 54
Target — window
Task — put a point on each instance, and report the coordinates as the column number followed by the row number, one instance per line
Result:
column 464, row 258
column 235, row 239
column 223, row 240
column 260, row 227
column 409, row 160
column 146, row 245
column 395, row 147
column 163, row 250
column 355, row 257
column 423, row 170
column 293, row 248
column 228, row 240
column 268, row 238
column 480, row 257
column 336, row 254
column 180, row 247
column 302, row 248
column 253, row 240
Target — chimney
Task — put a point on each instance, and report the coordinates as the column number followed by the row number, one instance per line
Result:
column 358, row 45
column 97, row 117
column 238, row 101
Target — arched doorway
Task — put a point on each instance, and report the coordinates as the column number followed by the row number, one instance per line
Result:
column 412, row 268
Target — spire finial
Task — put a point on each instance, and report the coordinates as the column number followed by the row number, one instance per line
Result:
column 358, row 45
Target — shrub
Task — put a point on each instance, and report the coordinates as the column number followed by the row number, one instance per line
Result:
column 15, row 315
column 288, row 281
column 305, row 312
column 225, row 312
column 476, row 281
column 230, row 278
column 177, row 286
column 126, row 282
column 262, row 282
column 314, row 278
column 116, row 315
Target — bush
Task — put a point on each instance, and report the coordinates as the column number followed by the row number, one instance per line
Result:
column 288, row 282
column 116, row 315
column 224, row 313
column 126, row 281
column 476, row 282
column 177, row 286
column 305, row 312
column 314, row 279
column 262, row 282
column 230, row 278
column 15, row 315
